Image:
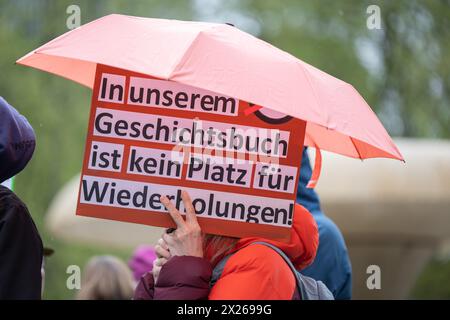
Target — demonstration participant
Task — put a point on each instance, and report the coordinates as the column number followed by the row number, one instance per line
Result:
column 141, row 261
column 332, row 263
column 106, row 278
column 190, row 261
column 21, row 249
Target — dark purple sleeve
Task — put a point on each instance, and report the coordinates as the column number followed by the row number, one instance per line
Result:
column 183, row 278
column 145, row 288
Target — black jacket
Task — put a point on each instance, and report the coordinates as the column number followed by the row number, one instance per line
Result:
column 21, row 250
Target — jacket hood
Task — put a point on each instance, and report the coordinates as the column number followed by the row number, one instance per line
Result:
column 17, row 141
column 304, row 241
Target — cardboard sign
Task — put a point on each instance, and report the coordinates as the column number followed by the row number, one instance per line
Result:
column 149, row 137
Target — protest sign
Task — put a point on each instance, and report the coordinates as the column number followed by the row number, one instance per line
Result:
column 150, row 137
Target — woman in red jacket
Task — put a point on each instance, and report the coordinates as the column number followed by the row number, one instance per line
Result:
column 254, row 271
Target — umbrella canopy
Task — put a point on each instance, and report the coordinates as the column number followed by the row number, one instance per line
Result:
column 226, row 60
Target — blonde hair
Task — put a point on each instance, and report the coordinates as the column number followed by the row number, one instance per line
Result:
column 106, row 278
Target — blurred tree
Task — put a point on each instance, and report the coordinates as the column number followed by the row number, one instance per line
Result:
column 402, row 69
column 57, row 109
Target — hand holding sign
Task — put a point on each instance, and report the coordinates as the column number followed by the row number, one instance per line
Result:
column 187, row 239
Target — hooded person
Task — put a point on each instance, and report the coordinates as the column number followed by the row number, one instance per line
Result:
column 332, row 264
column 21, row 248
column 17, row 141
column 252, row 271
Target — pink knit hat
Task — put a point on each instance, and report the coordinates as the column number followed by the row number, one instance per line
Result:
column 141, row 261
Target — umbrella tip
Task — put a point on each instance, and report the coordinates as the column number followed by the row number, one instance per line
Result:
column 229, row 23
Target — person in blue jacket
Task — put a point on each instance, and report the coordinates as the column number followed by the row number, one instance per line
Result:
column 332, row 264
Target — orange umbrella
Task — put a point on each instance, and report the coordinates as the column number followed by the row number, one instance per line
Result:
column 226, row 60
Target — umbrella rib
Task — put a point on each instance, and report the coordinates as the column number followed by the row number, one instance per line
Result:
column 354, row 145
column 314, row 93
column 187, row 52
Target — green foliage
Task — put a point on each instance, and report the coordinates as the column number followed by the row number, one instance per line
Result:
column 402, row 70
column 58, row 110
column 433, row 283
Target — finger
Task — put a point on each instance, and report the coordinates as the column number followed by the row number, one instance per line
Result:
column 174, row 213
column 158, row 249
column 191, row 217
column 158, row 242
column 163, row 244
column 168, row 238
column 161, row 252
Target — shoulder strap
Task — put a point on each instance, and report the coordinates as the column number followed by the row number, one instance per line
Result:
column 297, row 275
column 218, row 269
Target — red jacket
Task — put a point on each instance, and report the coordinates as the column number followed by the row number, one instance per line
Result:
column 253, row 272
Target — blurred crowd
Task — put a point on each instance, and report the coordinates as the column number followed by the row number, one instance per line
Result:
column 109, row 278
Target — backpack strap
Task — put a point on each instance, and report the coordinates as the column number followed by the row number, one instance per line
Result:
column 218, row 269
column 298, row 280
